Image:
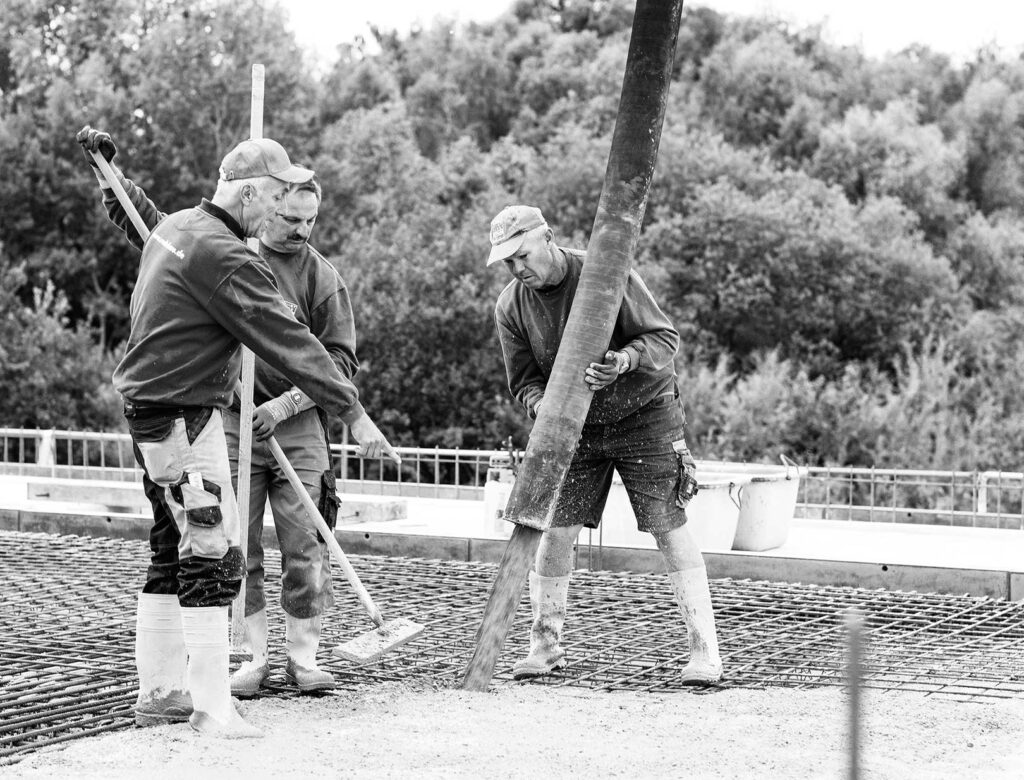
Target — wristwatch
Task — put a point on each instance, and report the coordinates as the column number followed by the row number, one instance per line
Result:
column 296, row 397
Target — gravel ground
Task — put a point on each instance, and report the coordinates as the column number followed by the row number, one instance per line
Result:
column 397, row 730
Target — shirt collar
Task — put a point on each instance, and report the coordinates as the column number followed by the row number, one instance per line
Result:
column 223, row 216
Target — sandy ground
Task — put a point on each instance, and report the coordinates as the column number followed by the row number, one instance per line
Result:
column 534, row 731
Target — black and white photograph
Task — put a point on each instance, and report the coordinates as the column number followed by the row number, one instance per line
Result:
column 514, row 389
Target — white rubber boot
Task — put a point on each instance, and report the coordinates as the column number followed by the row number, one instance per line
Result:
column 302, row 639
column 249, row 676
column 548, row 596
column 694, row 598
column 206, row 637
column 161, row 661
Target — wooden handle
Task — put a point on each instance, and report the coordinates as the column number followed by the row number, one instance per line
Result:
column 247, row 380
column 115, row 184
column 256, row 102
column 328, row 535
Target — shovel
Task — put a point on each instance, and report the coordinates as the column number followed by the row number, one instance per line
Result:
column 389, row 634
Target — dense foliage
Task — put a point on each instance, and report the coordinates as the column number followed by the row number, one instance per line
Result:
column 839, row 239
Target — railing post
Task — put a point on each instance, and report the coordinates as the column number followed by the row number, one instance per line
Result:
column 344, row 452
column 895, row 489
column 828, row 492
column 871, row 492
column 437, row 471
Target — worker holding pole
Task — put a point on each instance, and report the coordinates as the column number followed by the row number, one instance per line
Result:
column 199, row 294
column 634, row 425
column 319, row 298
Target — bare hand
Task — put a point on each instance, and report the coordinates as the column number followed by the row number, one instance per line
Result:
column 372, row 443
column 600, row 375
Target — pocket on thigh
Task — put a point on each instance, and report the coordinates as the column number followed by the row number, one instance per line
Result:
column 156, row 448
column 200, row 499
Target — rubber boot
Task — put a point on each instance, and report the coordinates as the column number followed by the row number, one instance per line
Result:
column 161, row 661
column 249, row 676
column 694, row 598
column 302, row 639
column 548, row 596
column 206, row 637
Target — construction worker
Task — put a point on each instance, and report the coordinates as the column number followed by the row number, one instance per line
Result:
column 200, row 292
column 319, row 298
column 634, row 426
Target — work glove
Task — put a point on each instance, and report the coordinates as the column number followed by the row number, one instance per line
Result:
column 267, row 416
column 96, row 141
column 687, row 485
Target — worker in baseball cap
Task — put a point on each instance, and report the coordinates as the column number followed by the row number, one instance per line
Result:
column 319, row 298
column 198, row 288
column 509, row 229
column 634, row 426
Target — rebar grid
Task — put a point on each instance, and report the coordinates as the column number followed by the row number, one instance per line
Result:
column 67, row 618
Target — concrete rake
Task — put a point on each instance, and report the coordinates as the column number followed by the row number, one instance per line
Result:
column 389, row 634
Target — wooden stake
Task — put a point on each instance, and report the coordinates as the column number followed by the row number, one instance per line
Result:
column 238, row 627
column 588, row 330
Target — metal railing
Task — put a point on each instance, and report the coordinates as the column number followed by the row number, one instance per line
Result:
column 988, row 499
column 424, row 472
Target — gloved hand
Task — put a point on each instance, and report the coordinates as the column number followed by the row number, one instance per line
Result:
column 687, row 486
column 267, row 416
column 96, row 141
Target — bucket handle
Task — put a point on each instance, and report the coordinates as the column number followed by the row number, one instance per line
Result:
column 736, row 499
column 789, row 463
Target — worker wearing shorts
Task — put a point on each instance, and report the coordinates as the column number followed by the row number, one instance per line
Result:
column 639, row 448
column 634, row 426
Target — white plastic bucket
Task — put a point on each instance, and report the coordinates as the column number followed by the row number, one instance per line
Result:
column 712, row 515
column 497, row 489
column 767, row 501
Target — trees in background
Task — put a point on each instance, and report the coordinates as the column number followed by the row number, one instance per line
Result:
column 54, row 373
column 839, row 239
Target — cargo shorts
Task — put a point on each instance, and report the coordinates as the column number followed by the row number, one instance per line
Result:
column 639, row 447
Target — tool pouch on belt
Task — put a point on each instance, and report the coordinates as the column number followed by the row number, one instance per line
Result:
column 329, row 501
column 686, row 487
